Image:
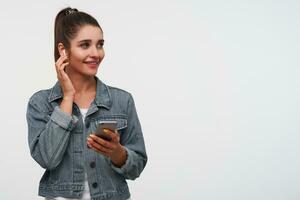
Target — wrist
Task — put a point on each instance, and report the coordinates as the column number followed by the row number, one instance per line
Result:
column 69, row 97
column 67, row 104
column 120, row 157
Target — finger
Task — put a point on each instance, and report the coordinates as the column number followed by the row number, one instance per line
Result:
column 62, row 72
column 97, row 146
column 63, row 66
column 102, row 142
column 95, row 149
column 59, row 61
column 99, row 142
column 114, row 135
column 58, row 65
column 101, row 152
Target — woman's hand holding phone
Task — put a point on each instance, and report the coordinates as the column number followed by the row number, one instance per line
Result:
column 113, row 149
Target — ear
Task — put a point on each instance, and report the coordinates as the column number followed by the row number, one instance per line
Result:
column 61, row 49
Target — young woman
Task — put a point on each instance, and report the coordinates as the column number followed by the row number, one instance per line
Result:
column 62, row 120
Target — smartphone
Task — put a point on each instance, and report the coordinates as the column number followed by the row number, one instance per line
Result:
column 111, row 125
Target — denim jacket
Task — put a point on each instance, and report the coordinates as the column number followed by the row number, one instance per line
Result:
column 57, row 142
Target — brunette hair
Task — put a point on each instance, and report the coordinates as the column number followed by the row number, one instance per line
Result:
column 67, row 23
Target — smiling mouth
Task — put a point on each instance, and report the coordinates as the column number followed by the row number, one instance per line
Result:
column 92, row 62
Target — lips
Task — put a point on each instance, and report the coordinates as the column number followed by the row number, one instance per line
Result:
column 92, row 63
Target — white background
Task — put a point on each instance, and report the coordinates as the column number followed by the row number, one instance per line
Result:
column 216, row 85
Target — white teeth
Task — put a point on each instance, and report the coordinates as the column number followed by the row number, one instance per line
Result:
column 91, row 62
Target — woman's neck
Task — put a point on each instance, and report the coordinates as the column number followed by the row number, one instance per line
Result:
column 83, row 84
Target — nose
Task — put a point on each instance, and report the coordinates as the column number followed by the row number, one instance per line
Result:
column 94, row 52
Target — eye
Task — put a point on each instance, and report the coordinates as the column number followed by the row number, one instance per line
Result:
column 100, row 45
column 84, row 45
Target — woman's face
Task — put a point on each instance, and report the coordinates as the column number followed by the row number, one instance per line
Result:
column 86, row 51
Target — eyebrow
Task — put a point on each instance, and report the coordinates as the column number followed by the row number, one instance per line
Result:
column 81, row 41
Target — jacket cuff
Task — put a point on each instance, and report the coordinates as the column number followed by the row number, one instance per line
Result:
column 63, row 119
column 124, row 168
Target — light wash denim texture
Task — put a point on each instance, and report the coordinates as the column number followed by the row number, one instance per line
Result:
column 57, row 143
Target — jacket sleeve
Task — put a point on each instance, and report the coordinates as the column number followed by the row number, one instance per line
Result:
column 48, row 134
column 133, row 142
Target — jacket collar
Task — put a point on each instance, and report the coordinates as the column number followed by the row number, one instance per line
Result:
column 103, row 96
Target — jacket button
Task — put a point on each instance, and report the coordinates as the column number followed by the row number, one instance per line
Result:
column 92, row 164
column 95, row 184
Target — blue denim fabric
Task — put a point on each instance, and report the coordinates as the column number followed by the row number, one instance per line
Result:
column 57, row 143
